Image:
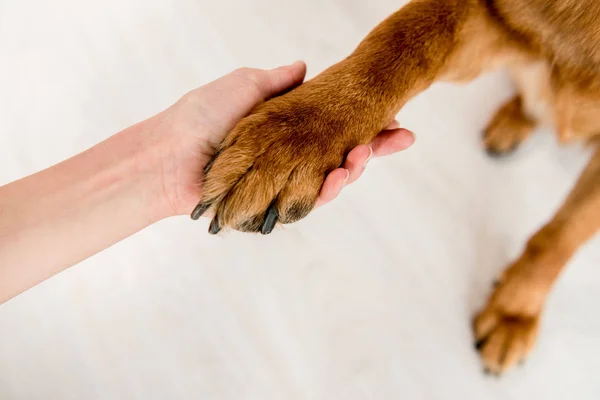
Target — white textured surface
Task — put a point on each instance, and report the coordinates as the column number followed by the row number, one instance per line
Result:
column 368, row 298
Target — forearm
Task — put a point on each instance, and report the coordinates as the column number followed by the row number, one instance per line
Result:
column 65, row 214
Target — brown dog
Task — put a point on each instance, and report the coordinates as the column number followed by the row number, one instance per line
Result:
column 271, row 166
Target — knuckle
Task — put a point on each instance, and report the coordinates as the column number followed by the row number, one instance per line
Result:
column 242, row 71
column 251, row 78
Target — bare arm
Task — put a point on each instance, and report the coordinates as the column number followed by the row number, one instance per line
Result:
column 62, row 215
column 58, row 217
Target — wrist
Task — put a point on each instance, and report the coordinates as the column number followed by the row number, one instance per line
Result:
column 144, row 161
column 171, row 162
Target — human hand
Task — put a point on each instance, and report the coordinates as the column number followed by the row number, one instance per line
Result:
column 200, row 120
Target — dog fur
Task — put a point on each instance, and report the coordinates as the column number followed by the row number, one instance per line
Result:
column 272, row 165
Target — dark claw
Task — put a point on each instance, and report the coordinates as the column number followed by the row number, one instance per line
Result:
column 212, row 161
column 495, row 153
column 479, row 344
column 496, row 283
column 270, row 220
column 487, row 371
column 214, row 227
column 199, row 210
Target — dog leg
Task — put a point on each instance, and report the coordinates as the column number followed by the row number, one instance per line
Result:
column 516, row 120
column 508, row 128
column 507, row 328
column 272, row 165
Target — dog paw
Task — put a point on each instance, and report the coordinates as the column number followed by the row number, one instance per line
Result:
column 504, row 340
column 507, row 129
column 506, row 329
column 271, row 167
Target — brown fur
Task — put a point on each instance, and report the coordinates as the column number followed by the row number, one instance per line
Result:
column 508, row 128
column 277, row 157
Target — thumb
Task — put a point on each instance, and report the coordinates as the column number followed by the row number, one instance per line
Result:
column 278, row 80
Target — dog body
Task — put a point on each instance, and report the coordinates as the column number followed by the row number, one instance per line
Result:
column 563, row 38
column 272, row 165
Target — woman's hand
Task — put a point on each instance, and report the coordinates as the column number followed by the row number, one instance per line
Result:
column 201, row 119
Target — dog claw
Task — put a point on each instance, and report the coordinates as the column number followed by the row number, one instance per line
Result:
column 199, row 210
column 479, row 344
column 270, row 220
column 214, row 227
column 496, row 153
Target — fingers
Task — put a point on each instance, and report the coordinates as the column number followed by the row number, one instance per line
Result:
column 357, row 160
column 394, row 125
column 353, row 168
column 283, row 78
column 389, row 141
column 272, row 82
column 332, row 186
column 392, row 141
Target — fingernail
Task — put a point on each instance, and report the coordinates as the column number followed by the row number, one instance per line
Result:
column 347, row 177
column 394, row 125
column 297, row 63
column 368, row 158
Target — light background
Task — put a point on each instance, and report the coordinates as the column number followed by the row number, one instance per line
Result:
column 368, row 298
